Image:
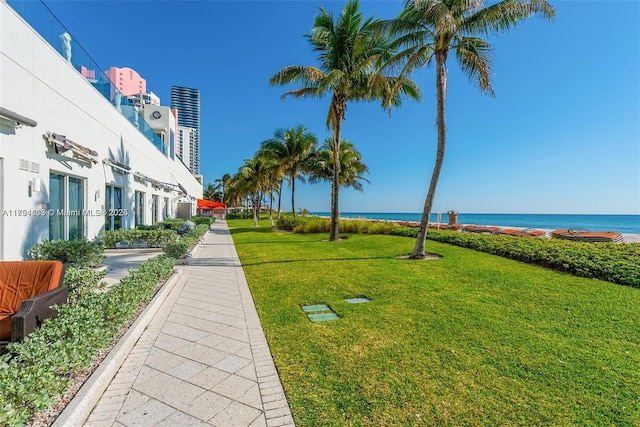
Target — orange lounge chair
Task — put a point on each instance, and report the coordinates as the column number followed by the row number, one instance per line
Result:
column 532, row 232
column 481, row 229
column 584, row 235
column 28, row 289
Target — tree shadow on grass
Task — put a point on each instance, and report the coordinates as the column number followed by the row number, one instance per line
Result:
column 250, row 230
column 288, row 261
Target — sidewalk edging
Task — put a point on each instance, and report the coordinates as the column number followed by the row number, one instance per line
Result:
column 80, row 407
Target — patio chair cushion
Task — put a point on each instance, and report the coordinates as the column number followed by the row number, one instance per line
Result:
column 21, row 280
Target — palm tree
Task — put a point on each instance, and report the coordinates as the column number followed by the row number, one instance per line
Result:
column 351, row 167
column 254, row 181
column 222, row 184
column 428, row 29
column 349, row 51
column 291, row 149
column 211, row 193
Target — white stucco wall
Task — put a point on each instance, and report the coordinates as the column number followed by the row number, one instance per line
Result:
column 38, row 83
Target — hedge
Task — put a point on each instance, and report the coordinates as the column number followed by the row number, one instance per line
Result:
column 152, row 238
column 79, row 253
column 181, row 247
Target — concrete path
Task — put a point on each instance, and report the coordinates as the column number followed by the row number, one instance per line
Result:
column 203, row 359
column 117, row 262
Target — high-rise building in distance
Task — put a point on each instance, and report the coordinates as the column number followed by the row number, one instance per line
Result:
column 187, row 101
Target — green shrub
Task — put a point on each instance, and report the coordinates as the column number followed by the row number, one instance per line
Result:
column 158, row 226
column 80, row 253
column 286, row 224
column 181, row 248
column 152, row 238
column 82, row 282
column 172, row 223
column 207, row 220
column 247, row 214
column 40, row 368
column 178, row 249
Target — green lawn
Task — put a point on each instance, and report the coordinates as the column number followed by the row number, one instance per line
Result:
column 468, row 339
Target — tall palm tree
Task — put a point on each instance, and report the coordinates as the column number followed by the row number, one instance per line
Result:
column 254, row 179
column 291, row 150
column 349, row 51
column 430, row 29
column 211, row 193
column 222, row 184
column 352, row 168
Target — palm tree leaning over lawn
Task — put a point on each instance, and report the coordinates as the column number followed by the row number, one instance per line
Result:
column 351, row 167
column 291, row 150
column 428, row 29
column 349, row 51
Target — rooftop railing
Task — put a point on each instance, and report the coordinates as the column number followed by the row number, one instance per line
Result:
column 45, row 23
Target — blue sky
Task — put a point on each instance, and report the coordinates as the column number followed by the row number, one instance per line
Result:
column 562, row 134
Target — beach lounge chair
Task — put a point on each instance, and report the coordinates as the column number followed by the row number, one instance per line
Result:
column 481, row 229
column 532, row 232
column 28, row 289
column 584, row 235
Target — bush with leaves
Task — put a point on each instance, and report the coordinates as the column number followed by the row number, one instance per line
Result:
column 82, row 282
column 180, row 248
column 80, row 253
column 247, row 214
column 207, row 220
column 151, row 238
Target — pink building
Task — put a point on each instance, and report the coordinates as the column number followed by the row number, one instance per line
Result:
column 87, row 73
column 127, row 81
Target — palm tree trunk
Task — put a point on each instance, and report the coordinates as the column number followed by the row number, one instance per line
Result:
column 255, row 201
column 441, row 94
column 280, row 196
column 335, row 213
column 293, row 190
column 271, row 208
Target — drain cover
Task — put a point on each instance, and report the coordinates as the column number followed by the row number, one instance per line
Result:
column 323, row 317
column 315, row 308
column 357, row 300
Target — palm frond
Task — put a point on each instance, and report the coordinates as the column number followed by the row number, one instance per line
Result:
column 307, row 76
column 474, row 55
column 506, row 15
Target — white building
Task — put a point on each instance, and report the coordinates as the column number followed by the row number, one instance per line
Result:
column 146, row 98
column 68, row 155
column 187, row 139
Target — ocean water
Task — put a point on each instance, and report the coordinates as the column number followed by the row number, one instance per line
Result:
column 619, row 223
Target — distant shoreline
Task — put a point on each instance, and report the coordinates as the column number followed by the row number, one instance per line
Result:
column 628, row 237
column 621, row 223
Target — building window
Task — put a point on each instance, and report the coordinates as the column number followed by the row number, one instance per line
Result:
column 155, row 212
column 139, row 208
column 66, row 200
column 113, row 208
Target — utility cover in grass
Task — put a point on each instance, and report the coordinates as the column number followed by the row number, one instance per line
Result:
column 315, row 308
column 323, row 317
column 357, row 300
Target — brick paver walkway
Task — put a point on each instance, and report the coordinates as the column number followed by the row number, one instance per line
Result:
column 203, row 360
